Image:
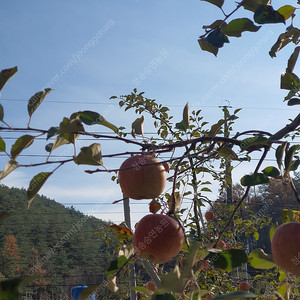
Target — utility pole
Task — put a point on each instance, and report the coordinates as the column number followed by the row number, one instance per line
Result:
column 227, row 161
column 132, row 279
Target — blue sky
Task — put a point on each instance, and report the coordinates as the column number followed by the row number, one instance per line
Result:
column 89, row 51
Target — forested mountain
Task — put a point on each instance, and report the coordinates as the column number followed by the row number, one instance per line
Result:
column 62, row 245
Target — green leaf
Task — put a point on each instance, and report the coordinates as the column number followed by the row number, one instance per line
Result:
column 228, row 259
column 293, row 101
column 237, row 26
column 190, row 260
column 115, row 265
column 217, row 38
column 185, row 123
column 49, row 147
column 218, row 3
column 68, row 129
column 272, row 231
column 5, row 75
column 214, row 130
column 292, row 60
column 254, row 143
column 35, row 101
column 254, row 179
column 51, row 132
column 88, row 291
column 1, row 113
column 173, row 281
column 289, row 215
column 9, row 167
column 90, row 155
column 271, row 171
column 279, row 153
column 260, row 260
column 265, row 14
column 137, row 127
column 9, row 289
column 206, row 46
column 286, row 11
column 141, row 289
column 288, row 161
column 251, row 5
column 228, row 153
column 2, row 145
column 289, row 81
column 295, row 165
column 35, row 185
column 236, row 295
column 21, row 143
column 93, row 118
column 256, row 235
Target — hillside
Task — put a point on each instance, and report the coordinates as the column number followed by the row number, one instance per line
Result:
column 61, row 244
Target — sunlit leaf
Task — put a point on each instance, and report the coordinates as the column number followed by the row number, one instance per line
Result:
column 228, row 259
column 254, row 179
column 271, row 171
column 5, row 75
column 218, row 3
column 112, row 285
column 90, row 155
column 35, row 185
column 35, row 101
column 265, row 14
column 286, row 11
column 137, row 127
column 237, row 26
column 93, row 118
column 293, row 101
column 2, row 145
column 236, row 295
column 9, row 167
column 260, row 260
column 154, row 206
column 272, row 231
column 115, row 265
column 21, row 143
column 289, row 215
column 289, row 81
column 122, row 232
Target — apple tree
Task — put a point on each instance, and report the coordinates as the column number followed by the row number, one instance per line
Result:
column 188, row 253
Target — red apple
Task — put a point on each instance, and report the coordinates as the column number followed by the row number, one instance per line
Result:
column 158, row 238
column 244, row 286
column 151, row 286
column 286, row 247
column 209, row 216
column 142, row 177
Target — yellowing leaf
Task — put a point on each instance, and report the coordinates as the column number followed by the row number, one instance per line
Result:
column 137, row 126
column 90, row 155
column 286, row 11
column 9, row 167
